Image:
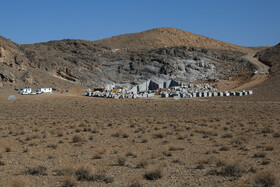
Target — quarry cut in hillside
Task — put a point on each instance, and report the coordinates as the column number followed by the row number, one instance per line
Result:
column 126, row 60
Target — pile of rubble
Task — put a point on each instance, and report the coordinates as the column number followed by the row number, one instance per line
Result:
column 197, row 88
column 187, row 91
column 118, row 94
column 184, row 93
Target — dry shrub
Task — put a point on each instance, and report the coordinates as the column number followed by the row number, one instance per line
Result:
column 242, row 138
column 136, row 182
column 267, row 129
column 121, row 161
column 265, row 179
column 142, row 163
column 259, row 155
column 131, row 154
column 86, row 173
column 276, row 134
column 269, row 148
column 20, row 182
column 228, row 168
column 77, row 139
column 102, row 177
column 153, row 174
column 227, row 135
column 172, row 148
column 8, row 149
column 37, row 170
column 120, row 133
column 67, row 171
column 59, row 133
column 69, row 181
column 98, row 154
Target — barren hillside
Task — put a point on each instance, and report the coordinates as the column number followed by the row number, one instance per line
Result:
column 168, row 37
column 270, row 88
column 126, row 59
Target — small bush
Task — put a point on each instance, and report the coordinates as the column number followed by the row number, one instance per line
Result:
column 69, row 181
column 130, row 154
column 227, row 169
column 77, row 139
column 120, row 133
column 59, row 133
column 38, row 170
column 143, row 163
column 53, row 146
column 259, row 155
column 265, row 179
column 224, row 148
column 84, row 173
column 176, row 148
column 153, row 174
column 8, row 149
column 102, row 177
column 68, row 171
column 121, row 161
column 276, row 134
column 136, row 182
column 227, row 136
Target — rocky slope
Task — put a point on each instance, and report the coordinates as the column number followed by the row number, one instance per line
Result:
column 168, row 37
column 271, row 57
column 126, row 59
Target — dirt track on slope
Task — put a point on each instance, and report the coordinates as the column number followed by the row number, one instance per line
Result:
column 259, row 77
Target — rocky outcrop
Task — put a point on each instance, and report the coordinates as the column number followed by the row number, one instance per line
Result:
column 27, row 77
column 271, row 57
column 7, row 76
column 87, row 63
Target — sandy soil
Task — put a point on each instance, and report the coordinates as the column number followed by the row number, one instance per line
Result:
column 64, row 139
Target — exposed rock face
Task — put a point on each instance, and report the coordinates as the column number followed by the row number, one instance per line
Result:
column 27, row 77
column 87, row 63
column 271, row 57
column 7, row 76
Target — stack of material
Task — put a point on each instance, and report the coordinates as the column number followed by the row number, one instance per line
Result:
column 118, row 94
column 184, row 94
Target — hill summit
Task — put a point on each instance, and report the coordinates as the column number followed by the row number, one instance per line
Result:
column 167, row 37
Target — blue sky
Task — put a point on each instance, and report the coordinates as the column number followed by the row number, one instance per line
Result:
column 241, row 22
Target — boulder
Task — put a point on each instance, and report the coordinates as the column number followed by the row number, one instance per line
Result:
column 7, row 76
column 27, row 77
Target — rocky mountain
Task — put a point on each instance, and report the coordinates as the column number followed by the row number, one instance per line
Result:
column 271, row 87
column 271, row 57
column 126, row 59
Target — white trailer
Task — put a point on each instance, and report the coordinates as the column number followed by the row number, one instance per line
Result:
column 25, row 91
column 44, row 90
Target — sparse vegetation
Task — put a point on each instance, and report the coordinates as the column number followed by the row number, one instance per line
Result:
column 153, row 174
column 77, row 139
column 265, row 179
column 172, row 137
column 37, row 170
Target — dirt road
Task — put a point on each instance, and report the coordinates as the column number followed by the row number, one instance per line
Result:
column 260, row 76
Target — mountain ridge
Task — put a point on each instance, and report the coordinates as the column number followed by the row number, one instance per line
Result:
column 128, row 58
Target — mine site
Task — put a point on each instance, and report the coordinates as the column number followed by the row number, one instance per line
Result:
column 161, row 107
